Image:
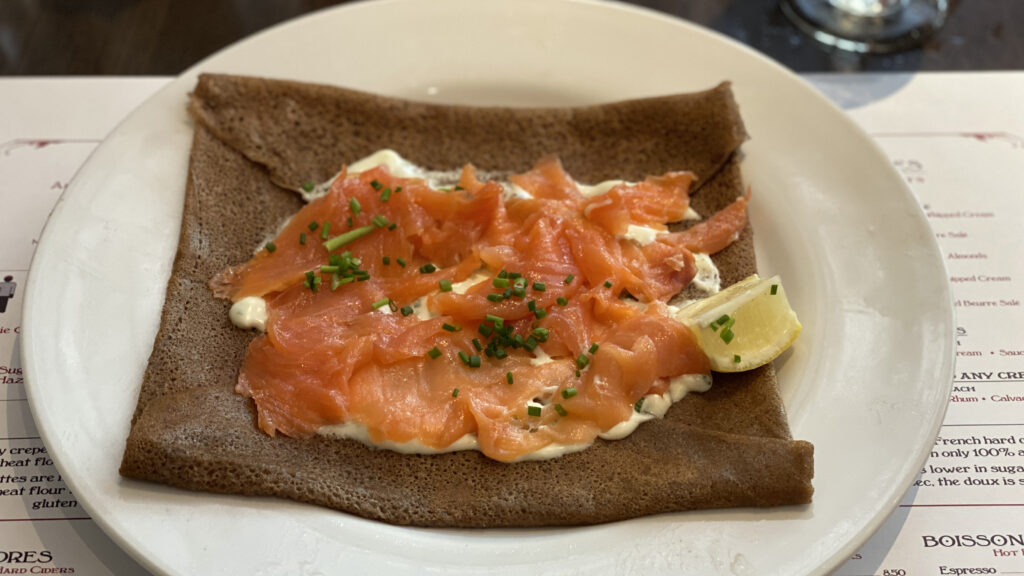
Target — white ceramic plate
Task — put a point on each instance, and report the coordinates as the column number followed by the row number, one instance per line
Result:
column 867, row 382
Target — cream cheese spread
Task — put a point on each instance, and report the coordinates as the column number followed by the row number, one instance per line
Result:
column 707, row 278
column 249, row 313
column 652, row 406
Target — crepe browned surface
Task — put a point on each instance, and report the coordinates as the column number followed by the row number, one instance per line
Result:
column 728, row 447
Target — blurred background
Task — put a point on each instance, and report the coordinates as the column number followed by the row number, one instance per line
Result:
column 164, row 37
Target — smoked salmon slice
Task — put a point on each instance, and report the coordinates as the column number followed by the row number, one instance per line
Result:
column 426, row 315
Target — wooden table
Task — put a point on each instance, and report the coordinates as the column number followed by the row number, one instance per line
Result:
column 164, row 37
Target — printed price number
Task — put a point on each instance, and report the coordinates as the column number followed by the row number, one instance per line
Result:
column 894, row 572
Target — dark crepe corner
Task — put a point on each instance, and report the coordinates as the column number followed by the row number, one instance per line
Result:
column 255, row 138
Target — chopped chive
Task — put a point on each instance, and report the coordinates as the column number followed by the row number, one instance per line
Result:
column 455, row 393
column 342, row 239
column 736, row 358
column 392, row 226
column 457, row 187
column 406, row 310
column 568, row 279
column 722, row 319
column 380, row 221
column 485, row 329
column 500, row 353
column 270, row 246
column 464, row 357
column 775, row 289
column 477, row 344
column 307, row 186
column 427, row 268
column 493, row 297
column 433, row 352
column 540, row 286
column 515, row 275
column 569, row 393
column 540, row 313
column 561, row 411
column 531, row 305
column 582, row 361
column 302, row 238
column 639, row 404
column 312, row 281
column 593, row 348
column 519, row 292
column 531, row 343
column 533, row 410
column 355, row 206
column 500, row 283
column 376, row 185
column 398, row 189
column 607, row 283
column 349, row 222
column 446, row 285
column 325, row 231
column 401, row 262
column 509, row 378
column 386, row 260
column 578, row 373
column 385, row 195
column 451, row 327
column 334, row 259
column 727, row 335
column 497, row 320
column 474, row 361
column 313, row 226
column 381, row 302
column 330, row 269
column 337, row 281
column 503, row 274
column 562, row 301
column 541, row 334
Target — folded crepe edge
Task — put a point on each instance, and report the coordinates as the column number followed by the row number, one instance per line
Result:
column 203, row 439
column 302, row 120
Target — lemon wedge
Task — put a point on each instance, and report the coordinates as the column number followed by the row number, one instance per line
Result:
column 745, row 326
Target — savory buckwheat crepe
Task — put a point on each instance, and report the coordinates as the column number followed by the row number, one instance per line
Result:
column 257, row 140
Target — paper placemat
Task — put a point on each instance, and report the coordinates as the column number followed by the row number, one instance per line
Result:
column 958, row 139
